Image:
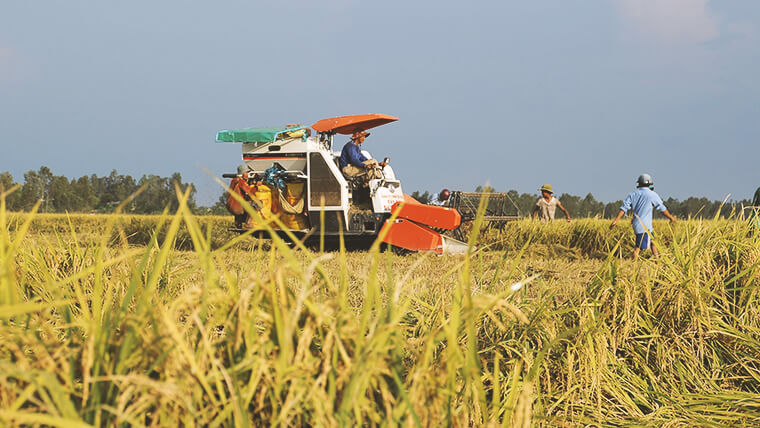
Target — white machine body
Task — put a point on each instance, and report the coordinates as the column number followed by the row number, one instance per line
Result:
column 296, row 156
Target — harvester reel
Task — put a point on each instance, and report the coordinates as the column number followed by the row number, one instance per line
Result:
column 499, row 209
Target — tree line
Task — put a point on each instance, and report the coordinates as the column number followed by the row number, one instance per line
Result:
column 59, row 194
column 588, row 206
column 103, row 194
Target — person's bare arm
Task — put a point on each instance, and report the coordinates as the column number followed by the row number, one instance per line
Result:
column 535, row 210
column 567, row 214
column 620, row 214
column 670, row 216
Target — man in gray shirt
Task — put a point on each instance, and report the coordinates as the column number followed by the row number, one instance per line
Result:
column 547, row 204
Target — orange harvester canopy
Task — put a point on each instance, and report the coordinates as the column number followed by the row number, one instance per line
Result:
column 349, row 124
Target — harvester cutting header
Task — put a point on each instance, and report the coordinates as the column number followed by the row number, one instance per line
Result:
column 296, row 177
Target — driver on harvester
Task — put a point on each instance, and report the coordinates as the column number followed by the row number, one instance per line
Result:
column 353, row 163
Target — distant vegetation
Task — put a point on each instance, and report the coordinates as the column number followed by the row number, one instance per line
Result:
column 588, row 206
column 60, row 194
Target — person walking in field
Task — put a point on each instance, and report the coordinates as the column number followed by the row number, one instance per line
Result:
column 547, row 204
column 641, row 202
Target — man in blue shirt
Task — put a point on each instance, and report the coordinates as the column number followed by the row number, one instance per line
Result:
column 352, row 162
column 641, row 202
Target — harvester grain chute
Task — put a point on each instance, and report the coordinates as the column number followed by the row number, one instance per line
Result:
column 294, row 176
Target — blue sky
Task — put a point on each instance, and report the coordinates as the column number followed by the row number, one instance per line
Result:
column 582, row 95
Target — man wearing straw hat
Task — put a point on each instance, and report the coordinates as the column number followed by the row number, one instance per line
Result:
column 547, row 204
column 353, row 163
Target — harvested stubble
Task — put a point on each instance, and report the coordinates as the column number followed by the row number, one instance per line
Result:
column 135, row 229
column 99, row 334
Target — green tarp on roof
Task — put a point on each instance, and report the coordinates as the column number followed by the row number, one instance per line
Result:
column 255, row 135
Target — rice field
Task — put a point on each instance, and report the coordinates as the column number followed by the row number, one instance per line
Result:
column 169, row 320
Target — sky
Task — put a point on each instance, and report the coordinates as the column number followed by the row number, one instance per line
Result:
column 582, row 95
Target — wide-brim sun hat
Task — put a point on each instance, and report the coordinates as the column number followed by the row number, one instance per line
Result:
column 547, row 188
column 359, row 134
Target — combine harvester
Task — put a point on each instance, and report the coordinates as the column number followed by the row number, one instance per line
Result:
column 294, row 176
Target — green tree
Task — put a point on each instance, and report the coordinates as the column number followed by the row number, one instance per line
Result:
column 85, row 192
column 61, row 196
column 46, row 177
column 13, row 198
column 35, row 188
column 572, row 204
column 590, row 207
column 424, row 198
column 176, row 181
column 611, row 209
column 524, row 201
column 160, row 192
column 154, row 195
column 220, row 207
column 113, row 190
